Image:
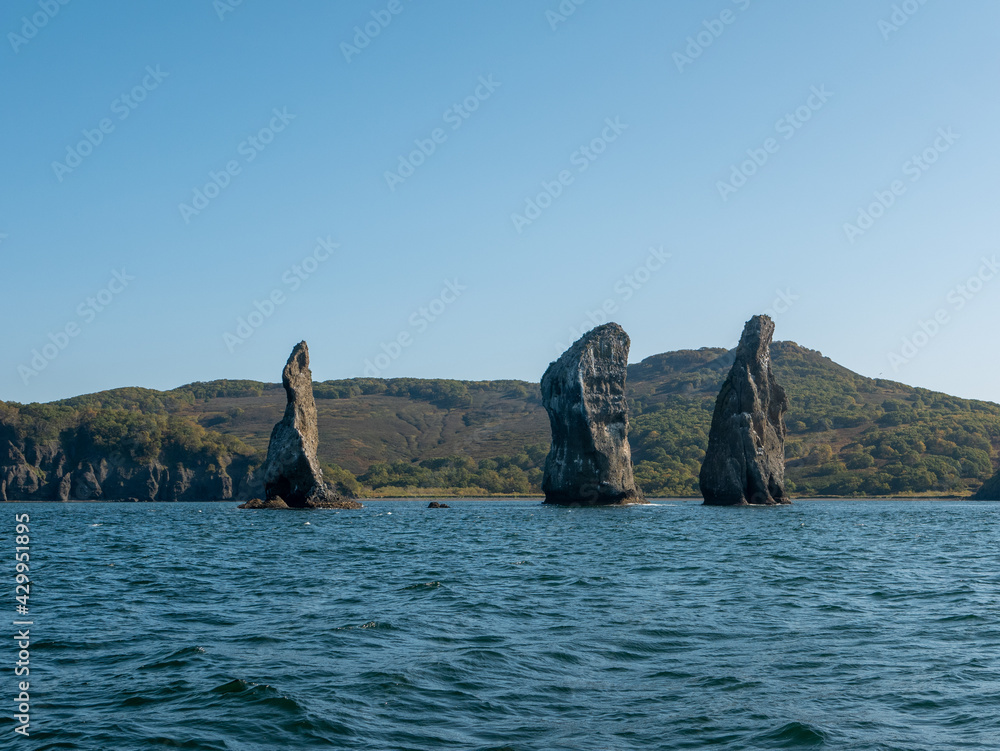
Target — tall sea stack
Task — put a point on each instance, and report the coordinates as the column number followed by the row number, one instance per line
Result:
column 590, row 463
column 291, row 472
column 745, row 461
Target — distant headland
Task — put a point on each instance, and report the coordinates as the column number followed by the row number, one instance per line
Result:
column 845, row 435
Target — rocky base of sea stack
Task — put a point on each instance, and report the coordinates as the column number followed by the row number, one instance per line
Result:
column 759, row 500
column 278, row 503
column 317, row 500
column 990, row 490
column 597, row 498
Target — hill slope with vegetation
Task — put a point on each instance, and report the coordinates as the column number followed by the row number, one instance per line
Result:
column 847, row 435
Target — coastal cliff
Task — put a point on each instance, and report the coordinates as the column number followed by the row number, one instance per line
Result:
column 113, row 448
column 54, row 472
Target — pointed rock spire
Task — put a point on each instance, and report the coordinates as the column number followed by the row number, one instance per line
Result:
column 291, row 472
column 745, row 461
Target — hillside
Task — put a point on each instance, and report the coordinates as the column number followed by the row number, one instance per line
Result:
column 848, row 435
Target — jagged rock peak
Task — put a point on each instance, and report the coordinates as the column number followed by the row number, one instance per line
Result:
column 745, row 460
column 292, row 475
column 590, row 462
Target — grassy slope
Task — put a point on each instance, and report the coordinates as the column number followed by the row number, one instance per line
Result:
column 361, row 430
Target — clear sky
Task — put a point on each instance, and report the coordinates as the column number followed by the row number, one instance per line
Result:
column 459, row 193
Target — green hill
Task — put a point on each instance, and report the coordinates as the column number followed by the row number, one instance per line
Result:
column 847, row 434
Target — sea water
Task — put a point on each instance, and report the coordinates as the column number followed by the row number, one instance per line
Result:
column 509, row 625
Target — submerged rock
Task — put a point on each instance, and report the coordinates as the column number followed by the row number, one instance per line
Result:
column 745, row 461
column 291, row 472
column 590, row 463
column 259, row 503
column 435, row 504
column 279, row 503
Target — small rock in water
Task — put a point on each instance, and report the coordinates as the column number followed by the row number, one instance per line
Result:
column 435, row 504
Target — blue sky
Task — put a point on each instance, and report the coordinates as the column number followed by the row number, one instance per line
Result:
column 676, row 167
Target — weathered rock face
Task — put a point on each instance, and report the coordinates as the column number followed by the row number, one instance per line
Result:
column 590, row 463
column 55, row 471
column 291, row 472
column 745, row 461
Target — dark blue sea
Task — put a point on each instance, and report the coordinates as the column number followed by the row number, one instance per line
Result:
column 511, row 626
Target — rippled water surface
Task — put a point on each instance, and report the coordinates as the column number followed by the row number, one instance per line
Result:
column 514, row 626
